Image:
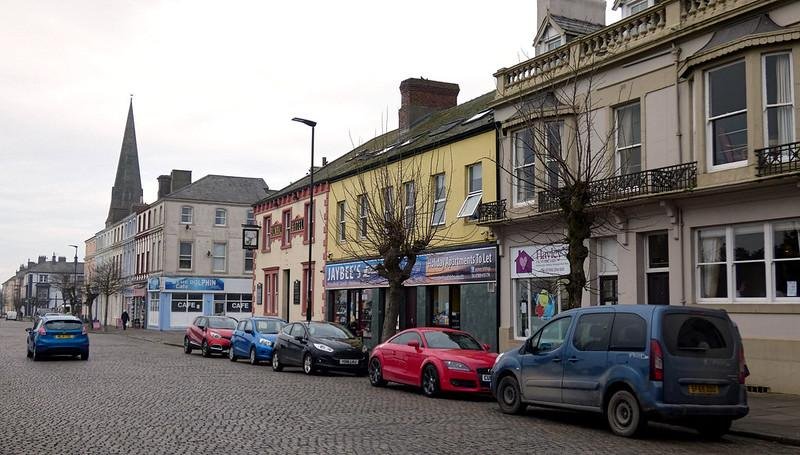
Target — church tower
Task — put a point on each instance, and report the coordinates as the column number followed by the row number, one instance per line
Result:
column 127, row 189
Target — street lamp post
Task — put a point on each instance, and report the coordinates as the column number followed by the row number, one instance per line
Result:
column 74, row 280
column 309, row 293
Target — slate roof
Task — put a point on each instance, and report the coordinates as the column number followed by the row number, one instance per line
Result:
column 432, row 131
column 56, row 267
column 576, row 26
column 750, row 26
column 223, row 188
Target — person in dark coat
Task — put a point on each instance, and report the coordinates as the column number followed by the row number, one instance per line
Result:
column 125, row 319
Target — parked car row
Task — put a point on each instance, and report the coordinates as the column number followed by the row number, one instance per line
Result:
column 630, row 363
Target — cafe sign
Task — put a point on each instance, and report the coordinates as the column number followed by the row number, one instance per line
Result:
column 193, row 284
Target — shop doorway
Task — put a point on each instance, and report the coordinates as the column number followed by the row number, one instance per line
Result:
column 445, row 306
column 408, row 317
column 353, row 308
column 286, row 286
column 657, row 271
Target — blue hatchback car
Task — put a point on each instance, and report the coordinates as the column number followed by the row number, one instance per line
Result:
column 58, row 335
column 633, row 363
column 254, row 338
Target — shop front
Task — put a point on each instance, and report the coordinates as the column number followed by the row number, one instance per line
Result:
column 454, row 289
column 174, row 302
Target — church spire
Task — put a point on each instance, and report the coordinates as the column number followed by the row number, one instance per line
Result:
column 127, row 189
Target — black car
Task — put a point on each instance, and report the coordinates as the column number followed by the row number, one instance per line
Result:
column 319, row 346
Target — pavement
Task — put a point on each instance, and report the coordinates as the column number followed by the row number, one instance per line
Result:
column 772, row 417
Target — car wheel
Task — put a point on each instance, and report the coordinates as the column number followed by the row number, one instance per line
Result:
column 508, row 396
column 376, row 373
column 713, row 428
column 187, row 347
column 85, row 355
column 430, row 381
column 28, row 352
column 308, row 364
column 276, row 362
column 253, row 359
column 624, row 415
column 205, row 349
column 231, row 354
column 35, row 355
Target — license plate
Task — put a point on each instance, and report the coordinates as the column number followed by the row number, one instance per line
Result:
column 703, row 389
column 486, row 378
column 348, row 361
column 64, row 336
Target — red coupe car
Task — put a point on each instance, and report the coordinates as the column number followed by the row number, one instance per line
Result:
column 435, row 359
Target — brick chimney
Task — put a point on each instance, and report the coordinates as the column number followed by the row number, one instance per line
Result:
column 42, row 259
column 421, row 97
column 164, row 185
column 179, row 179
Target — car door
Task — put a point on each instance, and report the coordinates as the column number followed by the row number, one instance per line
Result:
column 296, row 343
column 237, row 338
column 283, row 342
column 412, row 361
column 32, row 335
column 247, row 337
column 587, row 359
column 542, row 363
column 395, row 351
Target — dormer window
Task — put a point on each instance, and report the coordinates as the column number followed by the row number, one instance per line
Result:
column 631, row 7
column 552, row 43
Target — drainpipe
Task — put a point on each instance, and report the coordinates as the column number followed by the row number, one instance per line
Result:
column 676, row 53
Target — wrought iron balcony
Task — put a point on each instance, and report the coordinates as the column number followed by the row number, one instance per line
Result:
column 621, row 187
column 492, row 211
column 778, row 159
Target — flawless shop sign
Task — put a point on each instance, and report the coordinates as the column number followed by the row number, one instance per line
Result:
column 478, row 265
column 540, row 261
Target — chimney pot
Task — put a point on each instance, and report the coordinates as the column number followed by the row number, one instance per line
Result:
column 421, row 97
column 324, row 160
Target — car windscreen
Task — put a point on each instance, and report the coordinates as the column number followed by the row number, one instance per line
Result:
column 698, row 335
column 221, row 323
column 329, row 331
column 269, row 326
column 63, row 325
column 451, row 340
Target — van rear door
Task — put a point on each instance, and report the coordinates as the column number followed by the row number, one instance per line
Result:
column 700, row 358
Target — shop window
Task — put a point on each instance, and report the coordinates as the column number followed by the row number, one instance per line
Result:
column 536, row 301
column 439, row 200
column 524, row 159
column 154, row 301
column 629, row 139
column 445, row 306
column 726, row 114
column 191, row 303
column 353, row 309
column 778, row 99
column 758, row 262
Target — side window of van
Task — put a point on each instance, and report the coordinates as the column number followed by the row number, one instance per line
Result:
column 592, row 332
column 552, row 335
column 629, row 333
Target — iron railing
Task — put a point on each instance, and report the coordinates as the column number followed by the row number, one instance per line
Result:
column 492, row 211
column 621, row 187
column 778, row 159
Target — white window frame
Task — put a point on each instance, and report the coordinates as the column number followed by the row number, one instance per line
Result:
column 252, row 260
column 603, row 259
column 182, row 256
column 629, row 8
column 409, row 202
column 549, row 159
column 220, row 214
column 769, row 260
column 516, row 167
column 439, row 201
column 341, row 221
column 619, row 150
column 765, row 106
column 250, row 217
column 215, row 257
column 647, row 268
column 388, row 203
column 554, row 42
column 469, row 207
column 710, row 121
column 363, row 209
column 560, row 295
column 187, row 214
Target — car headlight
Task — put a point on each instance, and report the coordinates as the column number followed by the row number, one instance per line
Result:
column 497, row 359
column 265, row 342
column 453, row 365
column 215, row 335
column 323, row 347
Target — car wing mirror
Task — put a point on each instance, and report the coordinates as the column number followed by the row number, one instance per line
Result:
column 29, row 330
column 248, row 332
column 299, row 337
column 414, row 344
column 486, row 347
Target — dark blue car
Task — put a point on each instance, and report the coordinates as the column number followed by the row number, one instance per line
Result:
column 254, row 339
column 632, row 363
column 58, row 335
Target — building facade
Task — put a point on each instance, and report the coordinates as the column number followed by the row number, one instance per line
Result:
column 694, row 113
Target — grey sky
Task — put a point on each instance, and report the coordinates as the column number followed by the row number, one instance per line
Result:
column 215, row 85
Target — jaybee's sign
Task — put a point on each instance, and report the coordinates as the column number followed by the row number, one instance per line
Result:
column 540, row 261
column 478, row 265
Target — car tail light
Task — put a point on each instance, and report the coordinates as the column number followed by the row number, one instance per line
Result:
column 656, row 361
column 42, row 331
column 743, row 370
column 83, row 329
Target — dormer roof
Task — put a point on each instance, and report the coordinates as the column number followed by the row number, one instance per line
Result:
column 565, row 26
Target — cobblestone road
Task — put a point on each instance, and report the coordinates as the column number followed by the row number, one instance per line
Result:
column 135, row 396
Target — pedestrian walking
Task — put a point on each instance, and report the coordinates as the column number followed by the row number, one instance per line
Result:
column 124, row 318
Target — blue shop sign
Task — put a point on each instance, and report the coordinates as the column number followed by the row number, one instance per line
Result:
column 194, row 284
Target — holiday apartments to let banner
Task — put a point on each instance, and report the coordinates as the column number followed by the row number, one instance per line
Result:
column 535, row 271
column 453, row 289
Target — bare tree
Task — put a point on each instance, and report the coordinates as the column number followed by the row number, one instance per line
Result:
column 572, row 165
column 107, row 281
column 91, row 295
column 68, row 285
column 399, row 214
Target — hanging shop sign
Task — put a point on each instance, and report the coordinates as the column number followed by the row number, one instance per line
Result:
column 477, row 265
column 194, row 284
column 540, row 261
column 153, row 284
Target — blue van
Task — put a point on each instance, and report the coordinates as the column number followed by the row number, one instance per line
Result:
column 633, row 363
